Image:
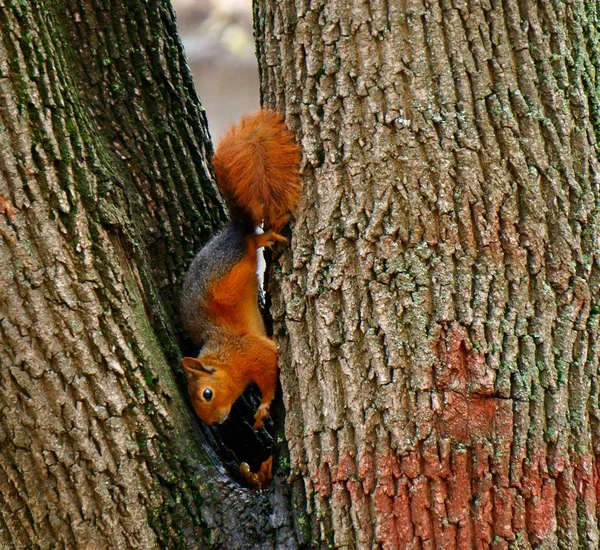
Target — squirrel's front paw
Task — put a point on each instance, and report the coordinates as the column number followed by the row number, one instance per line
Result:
column 268, row 239
column 260, row 416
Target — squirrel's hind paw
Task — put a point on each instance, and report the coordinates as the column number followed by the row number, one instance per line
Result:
column 260, row 416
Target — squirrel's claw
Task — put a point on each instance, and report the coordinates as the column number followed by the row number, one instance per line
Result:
column 260, row 416
column 268, row 239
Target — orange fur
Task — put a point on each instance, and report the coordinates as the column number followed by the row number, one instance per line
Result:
column 229, row 373
column 233, row 300
column 247, row 355
column 256, row 165
column 261, row 479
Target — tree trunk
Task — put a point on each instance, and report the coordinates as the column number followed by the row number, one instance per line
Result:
column 440, row 301
column 105, row 195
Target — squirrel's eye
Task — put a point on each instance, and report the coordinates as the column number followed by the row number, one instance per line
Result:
column 207, row 394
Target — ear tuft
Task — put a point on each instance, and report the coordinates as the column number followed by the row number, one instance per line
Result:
column 196, row 366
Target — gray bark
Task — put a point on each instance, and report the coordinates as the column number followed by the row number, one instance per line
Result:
column 105, row 195
column 440, row 300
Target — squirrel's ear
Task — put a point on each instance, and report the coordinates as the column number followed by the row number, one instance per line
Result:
column 195, row 366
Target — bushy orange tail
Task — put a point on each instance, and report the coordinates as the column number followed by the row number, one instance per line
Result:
column 256, row 165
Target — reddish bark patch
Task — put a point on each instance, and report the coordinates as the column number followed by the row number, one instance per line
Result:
column 6, row 207
column 420, row 504
column 541, row 518
column 444, row 532
column 461, row 366
column 367, row 473
column 466, row 419
column 468, row 406
column 459, row 497
column 518, row 519
column 387, row 465
column 406, row 531
column 410, row 465
column 321, row 481
column 346, row 468
column 454, row 421
column 387, row 530
column 503, row 511
column 585, row 477
column 394, row 527
column 452, row 352
column 462, row 487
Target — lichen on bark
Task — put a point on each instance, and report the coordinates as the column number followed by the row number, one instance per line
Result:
column 105, row 196
column 439, row 301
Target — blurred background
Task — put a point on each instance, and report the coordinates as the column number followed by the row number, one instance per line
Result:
column 217, row 37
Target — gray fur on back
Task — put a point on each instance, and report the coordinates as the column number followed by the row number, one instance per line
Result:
column 212, row 262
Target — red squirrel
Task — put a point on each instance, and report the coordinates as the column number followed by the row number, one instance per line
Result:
column 256, row 165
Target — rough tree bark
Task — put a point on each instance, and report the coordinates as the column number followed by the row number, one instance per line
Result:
column 105, row 196
column 440, row 300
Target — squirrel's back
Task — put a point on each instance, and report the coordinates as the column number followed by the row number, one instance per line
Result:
column 256, row 165
column 214, row 261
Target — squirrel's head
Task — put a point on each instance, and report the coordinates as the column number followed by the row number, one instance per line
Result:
column 212, row 391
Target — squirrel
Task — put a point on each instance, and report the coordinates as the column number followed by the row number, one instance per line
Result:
column 257, row 170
